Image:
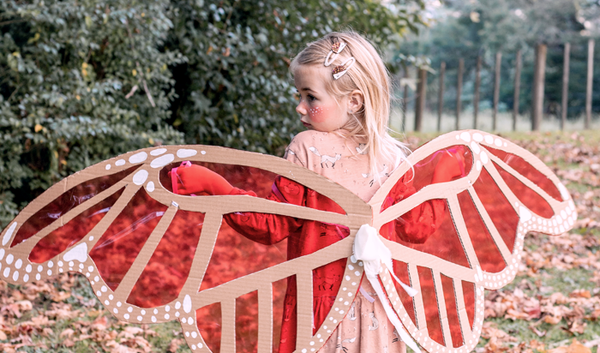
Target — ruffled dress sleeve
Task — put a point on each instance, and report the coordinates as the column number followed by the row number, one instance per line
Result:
column 419, row 223
column 267, row 228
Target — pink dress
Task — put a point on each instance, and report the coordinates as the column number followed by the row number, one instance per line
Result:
column 366, row 328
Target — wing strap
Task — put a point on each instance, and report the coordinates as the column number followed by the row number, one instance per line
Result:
column 373, row 253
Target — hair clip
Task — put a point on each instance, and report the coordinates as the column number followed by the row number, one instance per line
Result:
column 336, row 48
column 340, row 70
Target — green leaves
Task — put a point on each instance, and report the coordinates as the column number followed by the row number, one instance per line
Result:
column 235, row 88
column 65, row 72
column 82, row 81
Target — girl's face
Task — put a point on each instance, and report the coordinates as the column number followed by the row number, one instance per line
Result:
column 318, row 109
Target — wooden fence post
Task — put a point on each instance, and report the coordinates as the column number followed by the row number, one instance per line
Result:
column 420, row 103
column 590, row 76
column 517, row 91
column 404, row 100
column 461, row 64
column 496, row 90
column 476, row 93
column 537, row 102
column 441, row 96
column 565, row 86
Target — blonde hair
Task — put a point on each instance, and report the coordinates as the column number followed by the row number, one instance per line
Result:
column 370, row 76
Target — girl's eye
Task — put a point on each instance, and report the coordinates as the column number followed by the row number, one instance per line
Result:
column 311, row 97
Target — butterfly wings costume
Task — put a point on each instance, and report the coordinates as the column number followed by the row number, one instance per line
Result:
column 152, row 255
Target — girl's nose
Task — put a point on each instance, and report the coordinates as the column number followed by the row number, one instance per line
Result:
column 301, row 108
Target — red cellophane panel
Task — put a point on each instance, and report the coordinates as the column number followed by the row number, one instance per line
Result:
column 527, row 196
column 279, row 291
column 424, row 169
column 528, row 171
column 503, row 215
column 401, row 271
column 119, row 246
column 235, row 256
column 451, row 312
column 72, row 232
column 487, row 252
column 469, row 296
column 169, row 267
column 259, row 181
column 246, row 322
column 443, row 242
column 209, row 325
column 66, row 202
column 430, row 303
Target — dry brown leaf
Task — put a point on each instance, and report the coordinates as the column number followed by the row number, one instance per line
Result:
column 100, row 324
column 174, row 345
column 574, row 347
column 67, row 333
column 580, row 293
column 68, row 343
column 60, row 296
column 115, row 347
column 549, row 319
column 576, row 327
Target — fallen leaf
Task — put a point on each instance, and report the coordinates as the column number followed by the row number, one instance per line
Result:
column 580, row 293
column 574, row 347
column 67, row 332
column 174, row 345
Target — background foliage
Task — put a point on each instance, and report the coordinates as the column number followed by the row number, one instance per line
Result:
column 84, row 80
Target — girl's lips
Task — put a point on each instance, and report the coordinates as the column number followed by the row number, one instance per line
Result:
column 306, row 124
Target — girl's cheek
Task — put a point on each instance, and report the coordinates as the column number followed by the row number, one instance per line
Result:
column 317, row 114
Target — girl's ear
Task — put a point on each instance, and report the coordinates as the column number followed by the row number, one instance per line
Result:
column 355, row 101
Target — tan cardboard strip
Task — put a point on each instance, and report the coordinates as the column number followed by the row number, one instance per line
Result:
column 304, row 308
column 489, row 224
column 530, row 184
column 441, row 303
column 463, row 318
column 138, row 266
column 421, row 322
column 228, row 340
column 265, row 318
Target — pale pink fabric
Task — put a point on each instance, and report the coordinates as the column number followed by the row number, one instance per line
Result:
column 366, row 327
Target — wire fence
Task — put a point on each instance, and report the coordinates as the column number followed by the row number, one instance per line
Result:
column 416, row 113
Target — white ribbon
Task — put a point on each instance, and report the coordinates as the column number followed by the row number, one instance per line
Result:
column 369, row 249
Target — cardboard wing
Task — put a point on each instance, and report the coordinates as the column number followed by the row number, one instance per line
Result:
column 154, row 256
column 503, row 193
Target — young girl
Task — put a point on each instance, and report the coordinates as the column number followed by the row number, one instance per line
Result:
column 344, row 91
